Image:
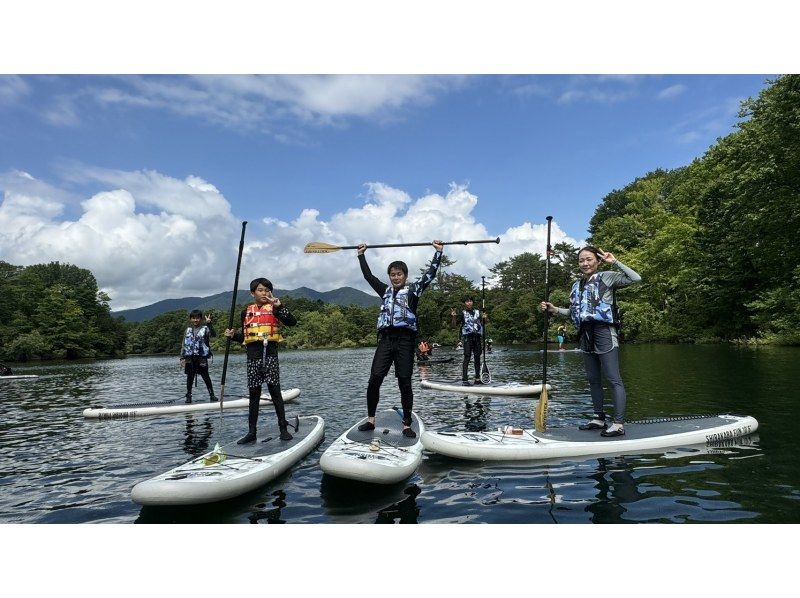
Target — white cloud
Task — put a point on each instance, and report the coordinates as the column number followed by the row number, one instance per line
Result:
column 270, row 104
column 187, row 245
column 673, row 91
column 12, row 89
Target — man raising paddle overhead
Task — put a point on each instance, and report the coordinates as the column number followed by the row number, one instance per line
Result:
column 397, row 332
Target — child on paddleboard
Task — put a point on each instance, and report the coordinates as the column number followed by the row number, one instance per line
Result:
column 261, row 325
column 470, row 321
column 195, row 352
column 561, row 335
column 593, row 309
column 397, row 332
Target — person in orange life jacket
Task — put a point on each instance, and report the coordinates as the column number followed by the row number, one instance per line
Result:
column 261, row 323
column 593, row 311
column 424, row 351
column 470, row 321
column 397, row 332
column 195, row 351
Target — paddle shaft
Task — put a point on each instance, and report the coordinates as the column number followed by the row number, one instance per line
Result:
column 497, row 240
column 546, row 298
column 230, row 316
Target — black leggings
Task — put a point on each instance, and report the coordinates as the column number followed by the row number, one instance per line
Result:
column 472, row 346
column 394, row 347
column 255, row 401
column 193, row 369
column 608, row 364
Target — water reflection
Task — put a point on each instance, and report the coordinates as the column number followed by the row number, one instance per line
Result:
column 271, row 515
column 197, row 435
column 475, row 415
column 405, row 511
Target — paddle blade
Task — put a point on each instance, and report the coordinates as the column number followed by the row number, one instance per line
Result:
column 541, row 411
column 317, row 247
column 486, row 376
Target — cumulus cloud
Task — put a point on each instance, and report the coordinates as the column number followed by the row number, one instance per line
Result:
column 144, row 244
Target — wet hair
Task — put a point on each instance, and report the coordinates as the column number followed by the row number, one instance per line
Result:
column 399, row 265
column 257, row 281
column 591, row 248
column 195, row 312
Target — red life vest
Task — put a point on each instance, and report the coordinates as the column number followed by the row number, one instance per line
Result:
column 261, row 324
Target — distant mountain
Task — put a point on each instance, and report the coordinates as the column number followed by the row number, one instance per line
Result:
column 340, row 296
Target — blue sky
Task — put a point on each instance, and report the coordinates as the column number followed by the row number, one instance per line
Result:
column 305, row 158
column 145, row 179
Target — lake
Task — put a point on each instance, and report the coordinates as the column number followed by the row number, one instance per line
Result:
column 58, row 467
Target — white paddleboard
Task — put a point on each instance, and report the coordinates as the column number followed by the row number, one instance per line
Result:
column 19, row 377
column 561, row 351
column 245, row 468
column 178, row 406
column 514, row 444
column 507, row 389
column 380, row 456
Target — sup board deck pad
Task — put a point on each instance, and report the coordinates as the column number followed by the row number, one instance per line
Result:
column 129, row 410
column 657, row 433
column 388, row 428
column 244, row 468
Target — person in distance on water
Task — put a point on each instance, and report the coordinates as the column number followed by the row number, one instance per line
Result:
column 593, row 310
column 561, row 335
column 397, row 332
column 470, row 321
column 261, row 326
column 195, row 352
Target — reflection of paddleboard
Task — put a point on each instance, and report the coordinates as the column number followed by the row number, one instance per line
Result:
column 18, row 377
column 434, row 360
column 508, row 389
column 515, row 444
column 177, row 406
column 381, row 456
column 239, row 469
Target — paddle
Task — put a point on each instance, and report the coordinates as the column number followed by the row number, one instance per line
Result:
column 230, row 323
column 541, row 407
column 317, row 247
column 486, row 376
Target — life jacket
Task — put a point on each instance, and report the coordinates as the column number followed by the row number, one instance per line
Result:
column 472, row 322
column 395, row 311
column 586, row 304
column 261, row 324
column 196, row 344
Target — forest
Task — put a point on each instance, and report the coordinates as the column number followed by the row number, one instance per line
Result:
column 714, row 241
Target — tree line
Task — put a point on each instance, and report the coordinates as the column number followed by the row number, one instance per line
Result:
column 714, row 242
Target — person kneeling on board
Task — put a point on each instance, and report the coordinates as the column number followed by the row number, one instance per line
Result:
column 261, row 324
column 195, row 352
column 593, row 310
column 397, row 332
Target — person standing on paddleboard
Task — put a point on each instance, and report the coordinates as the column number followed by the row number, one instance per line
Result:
column 470, row 321
column 261, row 324
column 561, row 335
column 397, row 332
column 195, row 351
column 593, row 310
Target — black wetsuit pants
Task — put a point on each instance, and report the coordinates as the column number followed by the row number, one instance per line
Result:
column 472, row 346
column 197, row 366
column 395, row 346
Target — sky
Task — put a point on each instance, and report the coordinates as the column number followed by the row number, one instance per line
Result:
column 145, row 180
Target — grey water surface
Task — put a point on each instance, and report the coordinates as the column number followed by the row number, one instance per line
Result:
column 57, row 467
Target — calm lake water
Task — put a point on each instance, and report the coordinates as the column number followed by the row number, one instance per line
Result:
column 58, row 467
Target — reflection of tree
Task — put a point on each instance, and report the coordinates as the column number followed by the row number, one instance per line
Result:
column 406, row 510
column 196, row 436
column 616, row 487
column 475, row 413
column 271, row 515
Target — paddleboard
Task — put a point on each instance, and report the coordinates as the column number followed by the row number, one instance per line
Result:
column 434, row 360
column 245, row 467
column 561, row 351
column 379, row 456
column 506, row 389
column 19, row 377
column 515, row 444
column 130, row 410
